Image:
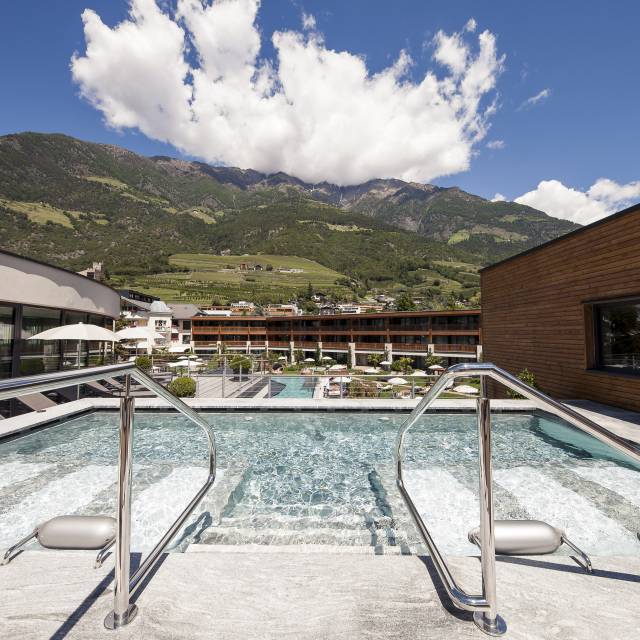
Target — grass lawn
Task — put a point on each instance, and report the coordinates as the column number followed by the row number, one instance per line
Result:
column 207, row 276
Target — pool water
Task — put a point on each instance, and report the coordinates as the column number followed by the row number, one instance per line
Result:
column 295, row 387
column 323, row 478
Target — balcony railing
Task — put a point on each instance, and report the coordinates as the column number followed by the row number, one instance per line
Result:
column 455, row 348
column 410, row 346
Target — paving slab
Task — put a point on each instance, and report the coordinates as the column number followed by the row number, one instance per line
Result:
column 246, row 596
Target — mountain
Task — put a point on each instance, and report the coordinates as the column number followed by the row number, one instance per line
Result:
column 71, row 202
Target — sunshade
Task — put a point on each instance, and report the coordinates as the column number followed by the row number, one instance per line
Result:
column 465, row 388
column 79, row 331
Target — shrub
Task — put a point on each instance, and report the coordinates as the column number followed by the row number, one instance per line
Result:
column 31, row 367
column 240, row 361
column 183, row 387
column 143, row 362
column 528, row 378
column 405, row 365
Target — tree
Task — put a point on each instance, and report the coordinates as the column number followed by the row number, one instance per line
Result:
column 269, row 267
column 238, row 362
column 431, row 360
column 310, row 291
column 318, row 356
column 405, row 365
column 404, row 302
column 374, row 359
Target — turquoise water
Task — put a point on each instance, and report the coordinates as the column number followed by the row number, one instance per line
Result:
column 323, row 478
column 296, row 387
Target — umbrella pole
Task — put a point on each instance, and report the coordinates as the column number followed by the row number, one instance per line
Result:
column 78, row 387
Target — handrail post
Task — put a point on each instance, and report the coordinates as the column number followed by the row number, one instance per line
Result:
column 488, row 621
column 123, row 612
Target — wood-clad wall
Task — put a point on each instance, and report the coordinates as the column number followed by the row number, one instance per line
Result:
column 536, row 312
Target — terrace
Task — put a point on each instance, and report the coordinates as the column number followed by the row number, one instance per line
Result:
column 300, row 540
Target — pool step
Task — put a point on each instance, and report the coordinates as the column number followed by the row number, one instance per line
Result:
column 269, row 536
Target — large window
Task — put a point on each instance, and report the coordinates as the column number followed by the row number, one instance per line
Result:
column 618, row 336
column 38, row 356
column 6, row 340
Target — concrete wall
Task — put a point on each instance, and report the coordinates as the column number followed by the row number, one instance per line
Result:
column 28, row 282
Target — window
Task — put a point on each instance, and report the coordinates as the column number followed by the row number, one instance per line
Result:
column 617, row 330
column 38, row 356
column 6, row 340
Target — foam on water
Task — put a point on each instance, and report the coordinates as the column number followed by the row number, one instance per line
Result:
column 64, row 496
column 447, row 507
column 546, row 499
column 154, row 509
column 13, row 472
column 624, row 482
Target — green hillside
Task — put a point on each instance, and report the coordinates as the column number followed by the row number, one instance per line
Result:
column 206, row 277
column 72, row 202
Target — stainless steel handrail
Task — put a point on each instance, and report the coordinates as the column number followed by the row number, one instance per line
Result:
column 124, row 611
column 485, row 605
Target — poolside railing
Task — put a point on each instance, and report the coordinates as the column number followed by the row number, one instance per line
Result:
column 125, row 585
column 485, row 606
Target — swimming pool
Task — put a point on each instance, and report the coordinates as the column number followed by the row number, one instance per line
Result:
column 323, row 478
column 295, row 386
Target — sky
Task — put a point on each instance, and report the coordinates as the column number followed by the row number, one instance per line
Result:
column 535, row 102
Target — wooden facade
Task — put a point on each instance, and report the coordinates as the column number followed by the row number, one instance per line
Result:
column 538, row 309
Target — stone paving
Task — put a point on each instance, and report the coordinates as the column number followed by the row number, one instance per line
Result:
column 230, row 593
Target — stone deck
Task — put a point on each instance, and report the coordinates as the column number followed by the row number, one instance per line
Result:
column 244, row 594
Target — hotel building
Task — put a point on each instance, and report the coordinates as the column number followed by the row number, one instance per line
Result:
column 453, row 335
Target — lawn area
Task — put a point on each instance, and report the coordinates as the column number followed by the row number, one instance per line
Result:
column 210, row 276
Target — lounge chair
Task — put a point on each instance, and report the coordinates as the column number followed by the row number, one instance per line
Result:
column 37, row 401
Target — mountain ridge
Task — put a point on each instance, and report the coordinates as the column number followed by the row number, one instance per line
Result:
column 71, row 202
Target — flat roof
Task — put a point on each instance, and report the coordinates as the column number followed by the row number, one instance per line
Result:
column 635, row 208
column 53, row 266
column 341, row 316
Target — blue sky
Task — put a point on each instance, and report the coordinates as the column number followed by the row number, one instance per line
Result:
column 584, row 55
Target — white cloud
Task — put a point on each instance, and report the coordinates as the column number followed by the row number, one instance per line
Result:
column 533, row 100
column 308, row 21
column 498, row 198
column 603, row 198
column 471, row 25
column 496, row 144
column 314, row 112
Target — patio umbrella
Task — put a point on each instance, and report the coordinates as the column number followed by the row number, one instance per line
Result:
column 79, row 332
column 309, row 360
column 327, row 358
column 418, row 373
column 335, row 367
column 465, row 388
column 372, row 370
column 339, row 379
column 179, row 348
column 385, row 363
column 436, row 367
column 395, row 381
column 282, row 358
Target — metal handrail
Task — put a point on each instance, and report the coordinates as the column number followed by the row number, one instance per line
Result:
column 123, row 611
column 485, row 605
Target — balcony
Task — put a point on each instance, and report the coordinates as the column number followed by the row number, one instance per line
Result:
column 410, row 346
column 455, row 348
column 370, row 346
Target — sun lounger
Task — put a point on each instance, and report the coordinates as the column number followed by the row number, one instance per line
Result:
column 37, row 401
